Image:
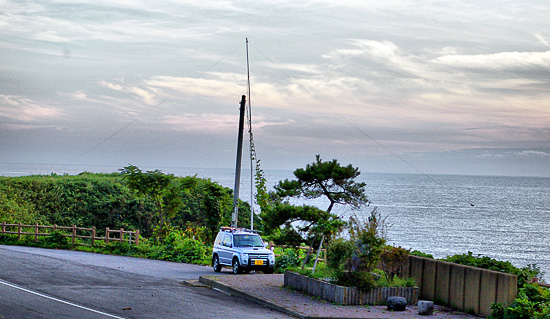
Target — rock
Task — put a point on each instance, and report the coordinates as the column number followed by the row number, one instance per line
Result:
column 396, row 303
column 425, row 308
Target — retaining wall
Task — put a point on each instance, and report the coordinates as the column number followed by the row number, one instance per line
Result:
column 461, row 287
column 348, row 295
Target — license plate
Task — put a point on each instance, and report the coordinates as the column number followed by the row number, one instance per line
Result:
column 259, row 262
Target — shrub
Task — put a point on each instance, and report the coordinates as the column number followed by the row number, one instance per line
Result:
column 369, row 238
column 55, row 240
column 288, row 259
column 532, row 301
column 359, row 279
column 525, row 274
column 421, row 254
column 393, row 261
column 338, row 252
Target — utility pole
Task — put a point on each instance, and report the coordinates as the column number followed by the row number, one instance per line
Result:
column 235, row 215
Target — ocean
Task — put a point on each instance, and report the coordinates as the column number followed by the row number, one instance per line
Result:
column 506, row 218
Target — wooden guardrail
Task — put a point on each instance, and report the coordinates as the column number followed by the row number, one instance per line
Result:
column 542, row 284
column 74, row 233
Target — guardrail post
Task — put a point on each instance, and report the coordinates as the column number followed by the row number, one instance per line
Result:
column 93, row 235
column 107, row 235
column 137, row 237
column 36, row 232
column 19, row 231
column 3, row 228
column 121, row 235
column 74, row 234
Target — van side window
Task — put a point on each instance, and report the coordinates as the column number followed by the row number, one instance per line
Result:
column 218, row 240
column 227, row 240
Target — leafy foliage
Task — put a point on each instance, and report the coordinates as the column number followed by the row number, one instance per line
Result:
column 55, row 240
column 338, row 252
column 369, row 237
column 393, row 261
column 288, row 259
column 326, row 179
column 329, row 180
column 157, row 187
column 532, row 301
column 525, row 274
column 105, row 200
column 421, row 254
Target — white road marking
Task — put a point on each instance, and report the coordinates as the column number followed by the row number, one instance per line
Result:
column 58, row 300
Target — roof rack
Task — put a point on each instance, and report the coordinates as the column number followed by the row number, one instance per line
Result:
column 232, row 230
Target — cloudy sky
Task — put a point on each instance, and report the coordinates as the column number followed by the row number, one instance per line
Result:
column 436, row 87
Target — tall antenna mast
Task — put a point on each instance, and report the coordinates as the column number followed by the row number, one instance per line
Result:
column 252, row 151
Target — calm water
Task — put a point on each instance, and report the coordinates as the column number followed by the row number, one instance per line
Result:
column 506, row 218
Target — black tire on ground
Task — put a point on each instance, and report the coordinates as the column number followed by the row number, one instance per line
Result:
column 216, row 264
column 236, row 266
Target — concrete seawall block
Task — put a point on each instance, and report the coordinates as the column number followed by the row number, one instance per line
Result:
column 416, row 268
column 507, row 288
column 443, row 282
column 472, row 282
column 456, row 289
column 429, row 274
column 488, row 292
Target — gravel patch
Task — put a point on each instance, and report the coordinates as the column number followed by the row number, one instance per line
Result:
column 270, row 288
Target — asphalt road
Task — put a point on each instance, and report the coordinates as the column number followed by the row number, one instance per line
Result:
column 42, row 283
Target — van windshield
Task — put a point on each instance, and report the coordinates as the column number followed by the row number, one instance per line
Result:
column 247, row 241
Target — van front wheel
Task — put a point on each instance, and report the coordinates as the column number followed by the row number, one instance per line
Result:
column 236, row 267
column 216, row 264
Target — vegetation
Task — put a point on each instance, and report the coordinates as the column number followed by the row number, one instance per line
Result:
column 120, row 201
column 353, row 261
column 532, row 301
column 393, row 261
column 296, row 224
column 368, row 239
column 179, row 246
column 525, row 274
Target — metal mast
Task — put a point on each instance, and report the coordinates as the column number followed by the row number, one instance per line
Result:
column 251, row 140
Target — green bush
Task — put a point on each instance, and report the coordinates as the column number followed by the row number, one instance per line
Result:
column 359, row 279
column 287, row 260
column 532, row 301
column 393, row 261
column 55, row 240
column 395, row 282
column 369, row 238
column 338, row 252
column 525, row 274
column 421, row 254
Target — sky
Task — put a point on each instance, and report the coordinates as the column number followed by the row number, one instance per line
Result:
column 432, row 87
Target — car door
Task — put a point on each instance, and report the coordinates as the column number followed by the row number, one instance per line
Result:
column 226, row 249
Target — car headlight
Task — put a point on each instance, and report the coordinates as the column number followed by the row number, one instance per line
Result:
column 244, row 256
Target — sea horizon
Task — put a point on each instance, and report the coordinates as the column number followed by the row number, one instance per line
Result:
column 27, row 169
